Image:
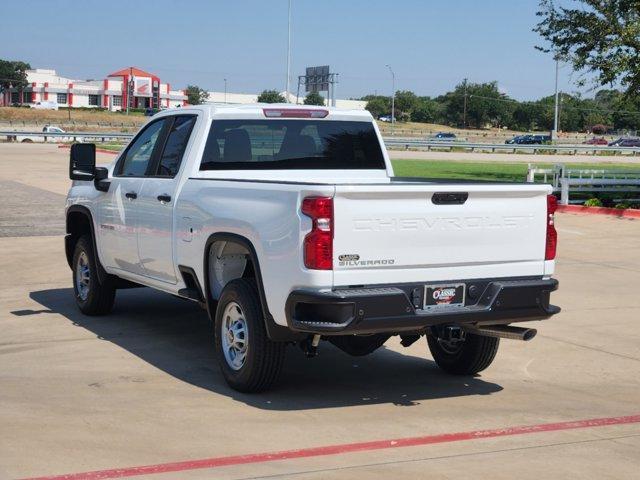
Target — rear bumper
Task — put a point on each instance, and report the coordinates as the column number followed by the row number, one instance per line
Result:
column 395, row 309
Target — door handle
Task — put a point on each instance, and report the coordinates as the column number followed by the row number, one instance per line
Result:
column 164, row 198
column 131, row 195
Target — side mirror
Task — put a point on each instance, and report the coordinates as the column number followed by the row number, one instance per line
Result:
column 82, row 161
column 100, row 180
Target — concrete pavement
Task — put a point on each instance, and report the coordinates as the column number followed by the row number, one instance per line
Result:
column 141, row 386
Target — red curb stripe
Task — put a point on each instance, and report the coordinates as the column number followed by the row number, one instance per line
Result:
column 98, row 150
column 217, row 462
column 618, row 212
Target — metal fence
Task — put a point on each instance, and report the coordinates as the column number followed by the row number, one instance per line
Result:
column 389, row 142
column 571, row 181
column 12, row 135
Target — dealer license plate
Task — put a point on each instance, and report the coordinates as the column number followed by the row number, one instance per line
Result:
column 436, row 296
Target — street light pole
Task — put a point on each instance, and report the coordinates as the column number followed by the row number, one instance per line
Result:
column 225, row 90
column 288, row 52
column 557, row 109
column 393, row 97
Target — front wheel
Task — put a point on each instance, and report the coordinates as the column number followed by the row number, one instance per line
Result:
column 92, row 296
column 466, row 357
column 249, row 360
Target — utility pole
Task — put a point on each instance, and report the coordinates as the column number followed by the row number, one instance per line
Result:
column 393, row 98
column 556, row 114
column 225, row 90
column 129, row 89
column 464, row 113
column 288, row 52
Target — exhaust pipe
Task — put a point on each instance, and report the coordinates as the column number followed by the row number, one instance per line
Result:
column 503, row 331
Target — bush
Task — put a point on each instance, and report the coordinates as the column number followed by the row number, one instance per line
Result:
column 593, row 202
column 271, row 96
column 314, row 98
column 599, row 129
column 622, row 205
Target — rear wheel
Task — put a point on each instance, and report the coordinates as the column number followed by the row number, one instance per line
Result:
column 249, row 360
column 92, row 296
column 463, row 357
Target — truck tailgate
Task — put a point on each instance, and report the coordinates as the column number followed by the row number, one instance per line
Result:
column 398, row 233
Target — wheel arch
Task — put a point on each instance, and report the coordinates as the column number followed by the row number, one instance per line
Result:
column 79, row 221
column 274, row 331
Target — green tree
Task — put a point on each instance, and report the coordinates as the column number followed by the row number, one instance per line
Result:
column 13, row 73
column 597, row 36
column 314, row 98
column 378, row 105
column 406, row 101
column 486, row 105
column 271, row 96
column 196, row 95
column 426, row 111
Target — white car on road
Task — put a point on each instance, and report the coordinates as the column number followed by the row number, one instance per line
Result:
column 56, row 138
column 45, row 105
column 288, row 226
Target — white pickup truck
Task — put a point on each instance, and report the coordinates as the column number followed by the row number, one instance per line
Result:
column 288, row 226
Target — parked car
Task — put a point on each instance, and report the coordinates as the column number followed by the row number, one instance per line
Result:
column 445, row 136
column 385, row 118
column 529, row 140
column 306, row 239
column 630, row 142
column 518, row 139
column 596, row 141
column 45, row 105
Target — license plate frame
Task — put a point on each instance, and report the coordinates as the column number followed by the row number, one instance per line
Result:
column 455, row 299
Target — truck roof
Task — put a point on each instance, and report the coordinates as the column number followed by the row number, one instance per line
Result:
column 256, row 110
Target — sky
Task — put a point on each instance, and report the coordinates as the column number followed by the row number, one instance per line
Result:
column 430, row 45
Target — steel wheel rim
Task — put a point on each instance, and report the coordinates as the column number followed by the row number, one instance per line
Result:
column 234, row 335
column 83, row 276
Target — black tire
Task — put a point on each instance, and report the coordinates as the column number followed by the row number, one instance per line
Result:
column 470, row 357
column 359, row 345
column 99, row 297
column 263, row 358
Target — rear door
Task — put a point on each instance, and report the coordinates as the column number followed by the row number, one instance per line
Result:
column 432, row 232
column 157, row 198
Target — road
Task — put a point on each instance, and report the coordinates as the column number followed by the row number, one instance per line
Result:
column 141, row 387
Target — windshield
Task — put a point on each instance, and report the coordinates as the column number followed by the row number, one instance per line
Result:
column 291, row 144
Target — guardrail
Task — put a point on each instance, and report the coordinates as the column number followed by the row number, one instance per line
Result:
column 389, row 142
column 103, row 136
column 568, row 181
column 493, row 147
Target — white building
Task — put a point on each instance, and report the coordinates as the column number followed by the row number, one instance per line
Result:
column 142, row 90
column 145, row 90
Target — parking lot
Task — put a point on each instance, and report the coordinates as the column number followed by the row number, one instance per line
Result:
column 140, row 387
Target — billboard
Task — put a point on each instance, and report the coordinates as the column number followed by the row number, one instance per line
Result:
column 142, row 86
column 317, row 79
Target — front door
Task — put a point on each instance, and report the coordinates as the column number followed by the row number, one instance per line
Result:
column 118, row 210
column 157, row 199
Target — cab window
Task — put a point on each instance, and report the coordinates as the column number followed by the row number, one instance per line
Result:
column 138, row 155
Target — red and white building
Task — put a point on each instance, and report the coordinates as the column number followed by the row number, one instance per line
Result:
column 141, row 89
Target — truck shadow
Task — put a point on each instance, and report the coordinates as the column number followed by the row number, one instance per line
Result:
column 175, row 336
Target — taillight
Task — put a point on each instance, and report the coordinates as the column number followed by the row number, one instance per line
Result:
column 318, row 244
column 552, row 235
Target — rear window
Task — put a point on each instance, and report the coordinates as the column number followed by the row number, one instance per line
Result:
column 291, row 144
